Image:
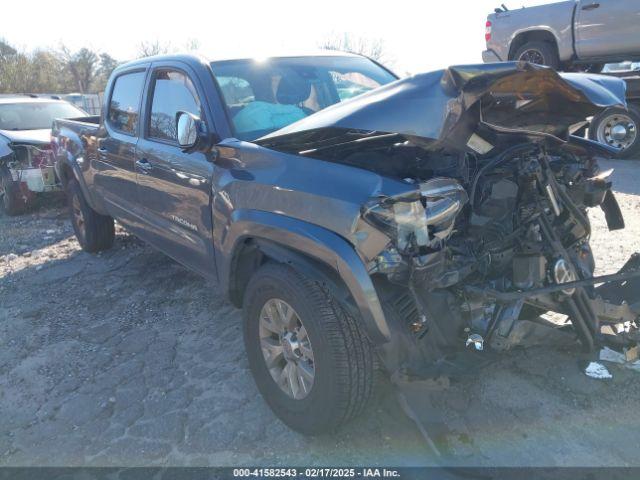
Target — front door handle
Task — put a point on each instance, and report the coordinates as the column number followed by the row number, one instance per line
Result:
column 591, row 6
column 144, row 165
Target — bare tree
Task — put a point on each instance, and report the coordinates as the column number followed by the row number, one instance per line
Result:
column 373, row 48
column 150, row 48
column 192, row 45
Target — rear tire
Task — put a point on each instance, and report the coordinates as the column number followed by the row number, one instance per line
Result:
column 343, row 360
column 13, row 201
column 94, row 232
column 540, row 53
column 602, row 125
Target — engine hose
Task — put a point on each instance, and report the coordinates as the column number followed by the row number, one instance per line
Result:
column 571, row 206
column 492, row 164
column 579, row 324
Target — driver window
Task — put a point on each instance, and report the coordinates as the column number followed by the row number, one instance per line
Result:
column 173, row 92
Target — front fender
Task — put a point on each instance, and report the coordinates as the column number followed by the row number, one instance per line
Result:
column 315, row 242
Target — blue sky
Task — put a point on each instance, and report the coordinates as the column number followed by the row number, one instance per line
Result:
column 420, row 35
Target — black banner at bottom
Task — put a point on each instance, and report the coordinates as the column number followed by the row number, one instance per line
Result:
column 400, row 473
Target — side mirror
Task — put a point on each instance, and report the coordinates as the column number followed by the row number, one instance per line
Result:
column 188, row 128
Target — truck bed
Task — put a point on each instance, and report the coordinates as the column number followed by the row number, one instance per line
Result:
column 78, row 126
column 88, row 120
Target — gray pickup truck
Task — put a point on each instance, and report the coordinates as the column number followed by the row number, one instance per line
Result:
column 361, row 222
column 574, row 34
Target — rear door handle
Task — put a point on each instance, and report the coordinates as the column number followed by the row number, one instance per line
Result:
column 144, row 165
column 591, row 6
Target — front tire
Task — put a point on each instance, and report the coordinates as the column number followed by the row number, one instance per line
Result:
column 13, row 201
column 294, row 327
column 94, row 232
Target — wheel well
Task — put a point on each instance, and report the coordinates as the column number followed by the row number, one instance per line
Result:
column 252, row 253
column 534, row 36
column 246, row 260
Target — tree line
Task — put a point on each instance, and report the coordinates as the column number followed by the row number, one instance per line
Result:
column 63, row 70
column 53, row 71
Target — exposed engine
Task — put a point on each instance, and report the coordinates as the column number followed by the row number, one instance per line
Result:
column 471, row 248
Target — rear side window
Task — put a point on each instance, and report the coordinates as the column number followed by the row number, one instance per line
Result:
column 124, row 107
column 173, row 92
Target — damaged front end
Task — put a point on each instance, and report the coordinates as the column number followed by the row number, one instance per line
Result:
column 492, row 232
column 31, row 165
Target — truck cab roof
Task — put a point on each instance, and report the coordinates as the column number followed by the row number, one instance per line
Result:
column 197, row 58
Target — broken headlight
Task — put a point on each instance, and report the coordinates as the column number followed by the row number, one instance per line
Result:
column 421, row 218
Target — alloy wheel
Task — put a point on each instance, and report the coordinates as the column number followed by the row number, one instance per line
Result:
column 286, row 348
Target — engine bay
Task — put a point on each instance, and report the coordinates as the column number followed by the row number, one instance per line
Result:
column 488, row 241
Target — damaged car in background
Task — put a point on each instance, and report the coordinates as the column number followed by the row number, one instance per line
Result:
column 427, row 221
column 26, row 166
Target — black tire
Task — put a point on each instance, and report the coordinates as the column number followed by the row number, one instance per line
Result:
column 94, row 232
column 344, row 360
column 598, row 122
column 542, row 53
column 13, row 202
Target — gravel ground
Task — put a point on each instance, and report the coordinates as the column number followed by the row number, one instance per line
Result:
column 126, row 358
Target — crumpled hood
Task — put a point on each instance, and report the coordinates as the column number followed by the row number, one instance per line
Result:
column 446, row 106
column 27, row 136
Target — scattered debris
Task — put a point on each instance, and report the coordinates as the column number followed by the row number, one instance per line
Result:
column 628, row 358
column 598, row 371
column 476, row 340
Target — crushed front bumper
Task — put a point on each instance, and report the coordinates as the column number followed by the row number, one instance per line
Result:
column 40, row 179
column 607, row 315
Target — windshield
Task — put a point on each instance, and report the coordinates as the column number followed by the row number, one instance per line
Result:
column 264, row 96
column 35, row 115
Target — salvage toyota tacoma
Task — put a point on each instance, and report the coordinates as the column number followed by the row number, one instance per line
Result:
column 362, row 223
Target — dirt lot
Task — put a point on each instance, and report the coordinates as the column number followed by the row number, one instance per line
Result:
column 126, row 358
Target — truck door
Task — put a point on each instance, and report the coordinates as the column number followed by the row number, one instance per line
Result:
column 174, row 188
column 114, row 173
column 607, row 28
